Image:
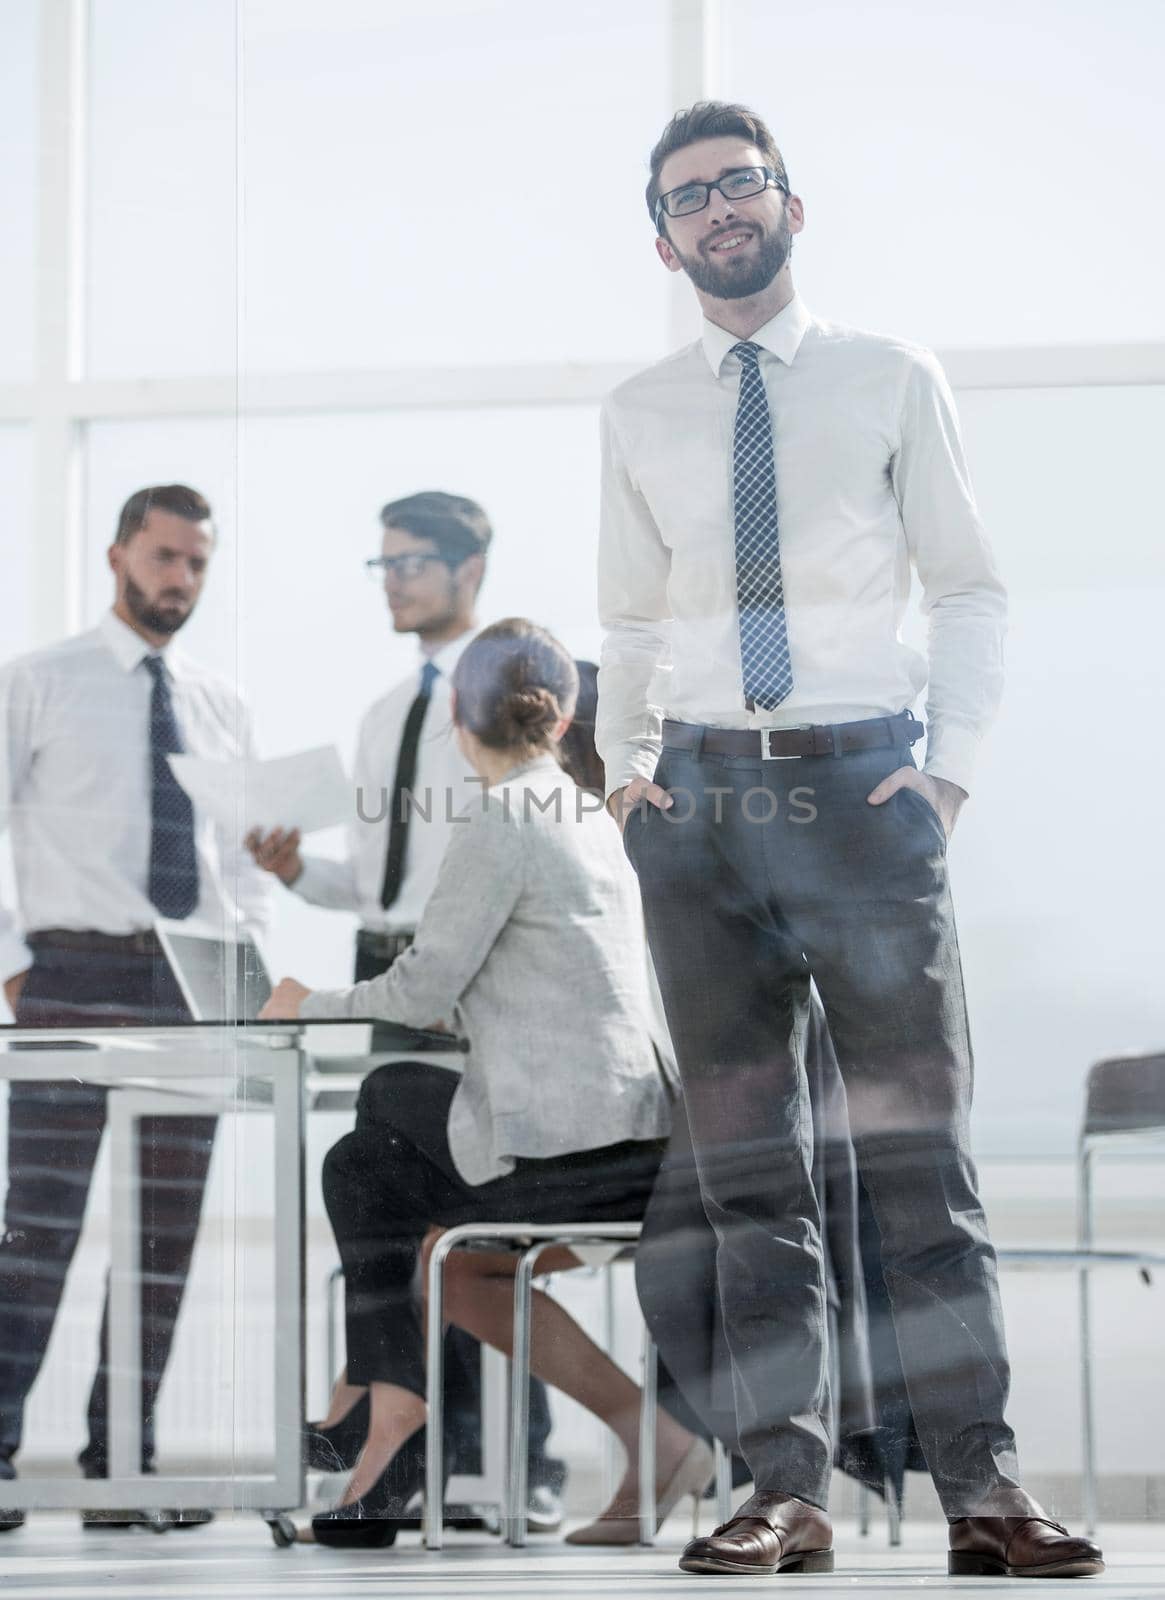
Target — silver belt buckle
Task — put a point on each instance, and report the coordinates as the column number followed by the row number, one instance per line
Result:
column 767, row 753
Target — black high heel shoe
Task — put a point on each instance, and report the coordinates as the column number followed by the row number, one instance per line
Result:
column 372, row 1523
column 335, row 1449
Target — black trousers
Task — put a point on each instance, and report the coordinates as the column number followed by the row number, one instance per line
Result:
column 54, row 1133
column 766, row 871
column 463, row 1358
column 392, row 1178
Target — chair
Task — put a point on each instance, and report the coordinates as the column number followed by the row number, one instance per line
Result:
column 893, row 1515
column 531, row 1240
column 1124, row 1105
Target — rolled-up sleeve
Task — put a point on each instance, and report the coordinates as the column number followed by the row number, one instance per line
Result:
column 962, row 594
column 477, row 888
column 634, row 564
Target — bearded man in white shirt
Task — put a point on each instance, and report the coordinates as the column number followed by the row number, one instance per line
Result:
column 766, row 492
column 104, row 842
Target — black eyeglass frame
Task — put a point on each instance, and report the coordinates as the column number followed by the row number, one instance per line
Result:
column 771, row 182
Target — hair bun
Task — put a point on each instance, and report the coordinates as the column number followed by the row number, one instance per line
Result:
column 530, row 711
column 514, row 683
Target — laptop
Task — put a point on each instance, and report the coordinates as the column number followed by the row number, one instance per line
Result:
column 226, row 980
column 222, row 980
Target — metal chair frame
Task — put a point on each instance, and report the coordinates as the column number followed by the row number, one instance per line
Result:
column 1137, row 1129
column 516, row 1235
column 532, row 1239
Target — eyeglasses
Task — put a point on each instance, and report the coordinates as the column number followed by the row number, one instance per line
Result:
column 740, row 184
column 411, row 566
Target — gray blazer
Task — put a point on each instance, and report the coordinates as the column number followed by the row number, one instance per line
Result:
column 532, row 944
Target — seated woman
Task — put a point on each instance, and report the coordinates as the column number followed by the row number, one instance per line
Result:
column 532, row 945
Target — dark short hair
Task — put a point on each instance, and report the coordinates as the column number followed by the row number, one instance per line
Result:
column 711, row 119
column 173, row 497
column 513, row 683
column 456, row 525
column 576, row 748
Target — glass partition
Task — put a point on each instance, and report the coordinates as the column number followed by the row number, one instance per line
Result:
column 324, row 256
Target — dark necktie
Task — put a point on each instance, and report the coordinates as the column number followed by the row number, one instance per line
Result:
column 760, row 596
column 406, row 772
column 173, row 864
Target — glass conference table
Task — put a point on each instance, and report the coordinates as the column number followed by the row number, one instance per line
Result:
column 276, row 1070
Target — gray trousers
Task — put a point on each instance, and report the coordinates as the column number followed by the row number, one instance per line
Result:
column 761, row 873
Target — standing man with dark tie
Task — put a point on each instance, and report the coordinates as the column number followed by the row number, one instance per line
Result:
column 766, row 493
column 432, row 562
column 105, row 841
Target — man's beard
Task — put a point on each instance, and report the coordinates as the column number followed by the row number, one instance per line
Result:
column 152, row 615
column 437, row 621
column 726, row 281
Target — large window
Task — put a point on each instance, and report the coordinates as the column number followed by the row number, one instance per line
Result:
column 310, row 255
column 15, row 552
column 1056, row 884
column 360, row 185
column 974, row 173
column 18, row 153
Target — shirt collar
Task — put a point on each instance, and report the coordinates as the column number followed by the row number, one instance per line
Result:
column 128, row 648
column 781, row 336
column 446, row 658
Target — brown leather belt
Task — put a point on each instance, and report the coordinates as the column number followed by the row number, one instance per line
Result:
column 143, row 943
column 787, row 744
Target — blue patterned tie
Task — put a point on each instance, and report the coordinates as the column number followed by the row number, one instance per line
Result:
column 173, row 863
column 760, row 595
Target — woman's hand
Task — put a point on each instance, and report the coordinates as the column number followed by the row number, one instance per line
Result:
column 286, row 999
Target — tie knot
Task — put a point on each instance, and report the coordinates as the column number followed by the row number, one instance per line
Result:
column 156, row 668
column 747, row 351
column 429, row 675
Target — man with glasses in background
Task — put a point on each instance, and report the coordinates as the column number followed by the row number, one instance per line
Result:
column 432, row 563
column 766, row 492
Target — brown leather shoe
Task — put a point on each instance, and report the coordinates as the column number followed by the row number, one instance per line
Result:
column 770, row 1533
column 1019, row 1547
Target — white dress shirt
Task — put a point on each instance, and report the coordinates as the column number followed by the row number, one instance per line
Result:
column 445, row 783
column 871, row 482
column 75, row 784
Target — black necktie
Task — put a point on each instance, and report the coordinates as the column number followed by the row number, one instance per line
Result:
column 760, row 594
column 406, row 772
column 173, row 864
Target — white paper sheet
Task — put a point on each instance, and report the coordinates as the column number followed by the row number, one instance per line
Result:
column 308, row 790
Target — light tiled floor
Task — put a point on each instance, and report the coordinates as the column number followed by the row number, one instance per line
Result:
column 51, row 1559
